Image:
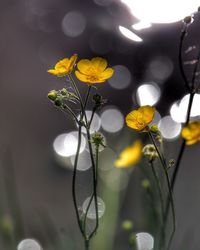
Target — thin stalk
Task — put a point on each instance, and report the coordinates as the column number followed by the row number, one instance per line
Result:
column 95, row 179
column 71, row 112
column 74, row 181
column 87, row 244
column 163, row 163
column 162, row 204
column 87, row 96
column 180, row 57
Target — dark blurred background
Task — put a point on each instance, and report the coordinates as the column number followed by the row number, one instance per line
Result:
column 35, row 34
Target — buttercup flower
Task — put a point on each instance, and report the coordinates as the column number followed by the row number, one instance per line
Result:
column 64, row 66
column 139, row 119
column 191, row 133
column 93, row 71
column 129, row 156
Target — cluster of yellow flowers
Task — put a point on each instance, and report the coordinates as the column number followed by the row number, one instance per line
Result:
column 191, row 133
column 88, row 71
column 139, row 120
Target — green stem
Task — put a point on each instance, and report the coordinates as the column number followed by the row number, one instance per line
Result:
column 157, row 180
column 87, row 96
column 71, row 112
column 163, row 164
column 74, row 181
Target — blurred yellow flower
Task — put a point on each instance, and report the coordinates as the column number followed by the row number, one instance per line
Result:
column 93, row 71
column 130, row 155
column 64, row 66
column 139, row 119
column 191, row 133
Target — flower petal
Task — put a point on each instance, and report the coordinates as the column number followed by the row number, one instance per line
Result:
column 99, row 64
column 84, row 66
column 148, row 113
column 108, row 73
column 135, row 120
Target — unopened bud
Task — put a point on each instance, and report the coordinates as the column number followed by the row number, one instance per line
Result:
column 52, row 95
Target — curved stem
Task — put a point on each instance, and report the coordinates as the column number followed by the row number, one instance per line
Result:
column 180, row 57
column 74, row 181
column 87, row 96
column 163, row 164
column 157, row 180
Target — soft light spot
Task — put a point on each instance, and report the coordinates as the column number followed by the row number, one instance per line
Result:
column 141, row 26
column 148, row 94
column 158, row 11
column 29, row 244
column 66, row 144
column 73, row 24
column 121, row 78
column 112, row 120
column 95, row 124
column 84, row 161
column 169, row 128
column 161, row 68
column 144, row 241
column 129, row 34
column 92, row 211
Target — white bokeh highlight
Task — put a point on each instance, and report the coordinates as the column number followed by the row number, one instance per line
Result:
column 157, row 11
column 141, row 26
column 84, row 161
column 178, row 110
column 73, row 24
column 144, row 241
column 112, row 120
column 29, row 244
column 92, row 211
column 169, row 129
column 129, row 34
column 148, row 94
column 95, row 124
column 66, row 144
column 121, row 78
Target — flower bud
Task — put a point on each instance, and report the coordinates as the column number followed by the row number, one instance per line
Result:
column 58, row 101
column 127, row 225
column 145, row 184
column 132, row 240
column 98, row 140
column 52, row 95
column 154, row 128
column 187, row 19
column 149, row 151
column 64, row 91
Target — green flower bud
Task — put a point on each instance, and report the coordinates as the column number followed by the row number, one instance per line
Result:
column 154, row 128
column 64, row 91
column 59, row 101
column 145, row 183
column 132, row 240
column 171, row 163
column 127, row 225
column 52, row 95
column 7, row 226
column 98, row 140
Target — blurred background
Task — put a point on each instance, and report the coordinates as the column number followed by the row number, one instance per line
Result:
column 140, row 41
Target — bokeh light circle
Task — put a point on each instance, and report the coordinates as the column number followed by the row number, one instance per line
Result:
column 29, row 244
column 66, row 144
column 84, row 161
column 73, row 24
column 144, row 241
column 112, row 120
column 95, row 124
column 147, row 94
column 121, row 78
column 169, row 128
column 92, row 211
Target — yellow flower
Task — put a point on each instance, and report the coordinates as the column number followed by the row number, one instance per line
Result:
column 139, row 119
column 191, row 133
column 129, row 156
column 64, row 66
column 93, row 71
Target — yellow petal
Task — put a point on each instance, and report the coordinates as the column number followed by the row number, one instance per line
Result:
column 135, row 120
column 84, row 66
column 53, row 71
column 99, row 64
column 148, row 113
column 62, row 63
column 108, row 73
column 129, row 156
